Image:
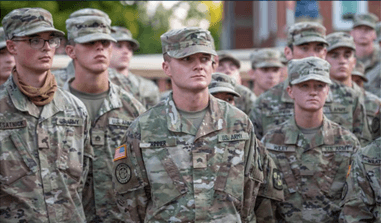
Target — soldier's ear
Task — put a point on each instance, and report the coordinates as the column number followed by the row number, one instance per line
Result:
column 288, row 53
column 11, row 47
column 166, row 68
column 251, row 74
column 289, row 91
column 70, row 51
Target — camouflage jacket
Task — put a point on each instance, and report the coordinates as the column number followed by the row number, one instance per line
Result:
column 361, row 200
column 162, row 173
column 374, row 80
column 313, row 172
column 107, row 129
column 44, row 157
column 343, row 105
column 373, row 109
column 247, row 99
column 372, row 60
column 149, row 93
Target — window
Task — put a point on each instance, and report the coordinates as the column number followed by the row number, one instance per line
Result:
column 340, row 8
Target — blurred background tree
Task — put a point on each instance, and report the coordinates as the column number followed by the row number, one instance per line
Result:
column 147, row 20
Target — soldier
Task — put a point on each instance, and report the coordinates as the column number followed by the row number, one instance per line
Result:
column 372, row 102
column 378, row 31
column 222, row 87
column 230, row 65
column 364, row 35
column 192, row 158
column 123, row 50
column 265, row 69
column 44, row 140
column 7, row 62
column 343, row 106
column 362, row 193
column 283, row 70
column 111, row 108
column 312, row 152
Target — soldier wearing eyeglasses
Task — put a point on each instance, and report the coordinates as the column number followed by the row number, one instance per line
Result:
column 44, row 140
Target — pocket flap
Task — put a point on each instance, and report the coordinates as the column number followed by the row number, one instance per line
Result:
column 21, row 148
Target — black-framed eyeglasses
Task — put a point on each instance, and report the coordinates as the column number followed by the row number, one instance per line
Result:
column 38, row 43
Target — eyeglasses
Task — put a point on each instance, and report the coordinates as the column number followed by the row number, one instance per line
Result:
column 38, row 43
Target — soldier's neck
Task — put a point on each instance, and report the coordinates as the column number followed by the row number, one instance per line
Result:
column 123, row 71
column 90, row 83
column 308, row 119
column 257, row 90
column 191, row 101
column 363, row 51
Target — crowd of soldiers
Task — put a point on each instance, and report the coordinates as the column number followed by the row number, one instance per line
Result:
column 93, row 142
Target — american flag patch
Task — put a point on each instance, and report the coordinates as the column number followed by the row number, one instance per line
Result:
column 120, row 152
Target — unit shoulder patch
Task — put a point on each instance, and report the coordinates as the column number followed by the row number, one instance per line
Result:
column 123, row 173
column 120, row 152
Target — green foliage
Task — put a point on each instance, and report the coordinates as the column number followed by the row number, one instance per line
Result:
column 147, row 29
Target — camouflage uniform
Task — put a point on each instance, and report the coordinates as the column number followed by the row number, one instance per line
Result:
column 361, row 198
column 164, row 173
column 147, row 91
column 374, row 80
column 372, row 104
column 313, row 171
column 344, row 105
column 44, row 153
column 118, row 110
column 222, row 83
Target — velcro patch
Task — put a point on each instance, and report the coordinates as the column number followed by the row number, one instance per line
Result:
column 280, row 148
column 118, row 121
column 343, row 148
column 123, row 173
column 233, row 137
column 13, row 124
column 70, row 121
column 120, row 152
column 277, row 179
column 160, row 143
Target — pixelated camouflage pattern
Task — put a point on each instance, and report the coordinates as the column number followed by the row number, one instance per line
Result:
column 373, row 111
column 309, row 68
column 3, row 43
column 213, row 176
column 179, row 43
column 313, row 171
column 366, row 19
column 87, row 25
column 119, row 109
column 247, row 99
column 28, row 21
column 374, row 80
column 359, row 70
column 44, row 157
column 266, row 57
column 122, row 34
column 222, row 56
column 362, row 197
column 305, row 32
column 222, row 83
column 371, row 60
column 340, row 39
column 343, row 105
column 149, row 94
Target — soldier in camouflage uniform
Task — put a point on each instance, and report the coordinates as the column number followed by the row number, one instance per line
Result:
column 361, row 197
column 343, row 106
column 44, row 141
column 312, row 153
column 123, row 50
column 372, row 102
column 7, row 62
column 222, row 87
column 193, row 158
column 111, row 108
column 265, row 69
column 364, row 35
column 230, row 65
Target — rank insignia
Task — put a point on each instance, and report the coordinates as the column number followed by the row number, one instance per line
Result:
column 277, row 180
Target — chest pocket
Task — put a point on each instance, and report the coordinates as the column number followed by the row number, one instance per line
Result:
column 69, row 161
column 334, row 167
column 166, row 181
column 232, row 166
column 373, row 172
column 340, row 114
column 16, row 161
column 285, row 158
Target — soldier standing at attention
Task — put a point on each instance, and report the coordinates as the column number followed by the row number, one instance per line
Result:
column 44, row 140
column 265, row 69
column 230, row 65
column 123, row 50
column 341, row 57
column 193, row 158
column 362, row 193
column 111, row 108
column 343, row 106
column 222, row 87
column 312, row 152
column 7, row 62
